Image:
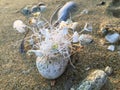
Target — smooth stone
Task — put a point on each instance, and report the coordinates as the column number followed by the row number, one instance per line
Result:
column 53, row 67
column 112, row 38
column 108, row 70
column 94, row 81
column 85, row 39
column 35, row 9
column 25, row 11
column 111, row 48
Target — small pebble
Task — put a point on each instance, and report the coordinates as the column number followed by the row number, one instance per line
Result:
column 85, row 39
column 112, row 38
column 25, row 11
column 88, row 68
column 104, row 31
column 72, row 89
column 111, row 48
column 108, row 70
column 88, row 27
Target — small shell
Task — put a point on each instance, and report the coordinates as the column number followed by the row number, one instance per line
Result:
column 85, row 39
column 112, row 38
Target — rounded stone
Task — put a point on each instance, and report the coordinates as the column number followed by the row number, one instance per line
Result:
column 51, row 67
column 108, row 70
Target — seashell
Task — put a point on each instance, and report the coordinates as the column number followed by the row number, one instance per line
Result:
column 26, row 11
column 111, row 48
column 112, row 38
column 51, row 67
column 75, row 37
column 85, row 39
column 64, row 12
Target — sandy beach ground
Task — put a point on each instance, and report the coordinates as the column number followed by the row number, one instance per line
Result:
column 18, row 72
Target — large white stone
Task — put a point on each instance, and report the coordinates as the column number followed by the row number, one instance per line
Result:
column 51, row 68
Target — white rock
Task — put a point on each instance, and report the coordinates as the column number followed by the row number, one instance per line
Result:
column 75, row 37
column 51, row 68
column 19, row 26
column 111, row 48
column 43, row 8
column 112, row 38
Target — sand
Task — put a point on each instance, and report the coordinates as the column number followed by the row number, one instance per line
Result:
column 18, row 72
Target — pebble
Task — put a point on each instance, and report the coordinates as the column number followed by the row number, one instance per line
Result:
column 93, row 81
column 72, row 89
column 88, row 27
column 108, row 70
column 35, row 9
column 88, row 68
column 112, row 38
column 104, row 31
column 111, row 48
column 25, row 11
column 85, row 39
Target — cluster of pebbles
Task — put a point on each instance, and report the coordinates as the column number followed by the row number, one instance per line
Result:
column 112, row 36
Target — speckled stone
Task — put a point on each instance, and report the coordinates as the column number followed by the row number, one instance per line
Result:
column 51, row 68
column 94, row 81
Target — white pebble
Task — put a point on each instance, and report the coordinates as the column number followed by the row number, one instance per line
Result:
column 111, row 48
